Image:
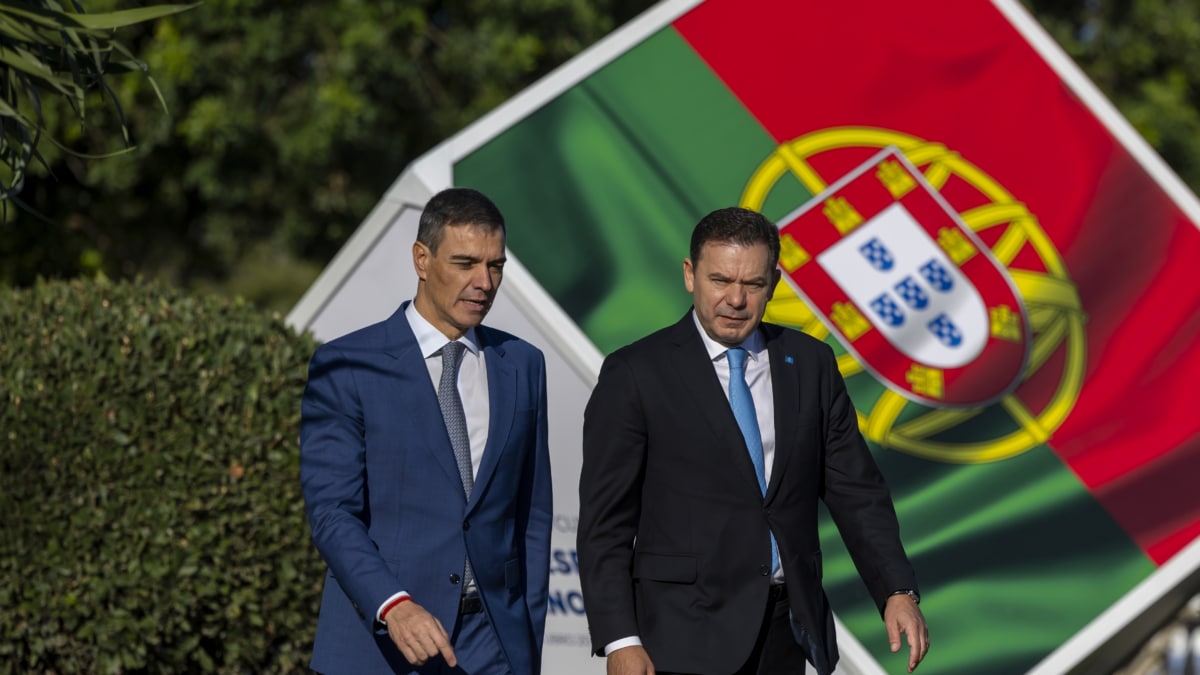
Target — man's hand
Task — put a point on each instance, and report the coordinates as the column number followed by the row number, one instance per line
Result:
column 901, row 615
column 631, row 660
column 418, row 635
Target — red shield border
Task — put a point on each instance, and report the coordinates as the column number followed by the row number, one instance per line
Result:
column 885, row 179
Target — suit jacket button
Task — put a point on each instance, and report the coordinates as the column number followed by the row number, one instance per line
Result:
column 454, row 579
column 466, row 524
column 764, row 570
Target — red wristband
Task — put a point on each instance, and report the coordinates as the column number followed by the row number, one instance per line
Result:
column 391, row 605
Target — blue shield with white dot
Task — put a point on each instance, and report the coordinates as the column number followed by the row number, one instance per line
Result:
column 887, row 310
column 945, row 331
column 937, row 276
column 878, row 255
column 912, row 294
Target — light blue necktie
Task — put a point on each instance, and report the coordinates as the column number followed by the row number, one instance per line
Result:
column 456, row 426
column 743, row 411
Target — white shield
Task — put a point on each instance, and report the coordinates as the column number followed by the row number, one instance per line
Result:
column 903, row 282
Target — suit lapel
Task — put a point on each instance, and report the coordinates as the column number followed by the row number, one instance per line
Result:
column 693, row 367
column 502, row 401
column 405, row 361
column 785, row 387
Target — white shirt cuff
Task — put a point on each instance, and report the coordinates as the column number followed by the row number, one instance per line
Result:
column 633, row 641
column 379, row 612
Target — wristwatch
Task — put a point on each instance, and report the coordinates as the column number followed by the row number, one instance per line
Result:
column 910, row 593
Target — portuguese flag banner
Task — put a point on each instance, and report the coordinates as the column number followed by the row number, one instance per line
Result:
column 1011, row 292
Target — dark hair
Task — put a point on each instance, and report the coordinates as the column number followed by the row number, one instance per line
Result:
column 736, row 225
column 456, row 206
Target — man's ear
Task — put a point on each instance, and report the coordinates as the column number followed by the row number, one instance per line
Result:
column 774, row 284
column 421, row 256
column 689, row 275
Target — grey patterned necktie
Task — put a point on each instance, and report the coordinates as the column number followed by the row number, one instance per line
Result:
column 452, row 413
column 456, row 426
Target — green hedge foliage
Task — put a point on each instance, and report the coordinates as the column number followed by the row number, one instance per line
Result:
column 152, row 515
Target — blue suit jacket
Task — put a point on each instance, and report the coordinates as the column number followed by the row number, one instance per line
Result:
column 386, row 504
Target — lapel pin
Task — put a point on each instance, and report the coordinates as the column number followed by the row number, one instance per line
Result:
column 788, row 359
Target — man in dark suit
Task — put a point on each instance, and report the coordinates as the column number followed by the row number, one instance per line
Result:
column 426, row 474
column 706, row 447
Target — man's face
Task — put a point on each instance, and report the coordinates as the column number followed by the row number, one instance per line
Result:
column 730, row 287
column 459, row 283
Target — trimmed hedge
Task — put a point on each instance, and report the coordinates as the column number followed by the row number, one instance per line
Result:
column 152, row 515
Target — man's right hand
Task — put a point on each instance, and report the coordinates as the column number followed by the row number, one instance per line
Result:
column 418, row 634
column 631, row 660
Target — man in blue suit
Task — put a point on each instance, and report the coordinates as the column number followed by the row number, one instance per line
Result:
column 426, row 474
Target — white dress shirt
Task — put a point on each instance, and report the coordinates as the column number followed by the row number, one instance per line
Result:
column 758, row 378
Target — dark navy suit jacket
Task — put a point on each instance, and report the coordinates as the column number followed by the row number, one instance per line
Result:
column 673, row 530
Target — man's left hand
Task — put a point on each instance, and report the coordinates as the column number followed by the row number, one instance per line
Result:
column 901, row 615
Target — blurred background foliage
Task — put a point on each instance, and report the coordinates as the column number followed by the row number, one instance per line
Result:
column 289, row 119
column 287, row 122
column 149, row 476
column 51, row 48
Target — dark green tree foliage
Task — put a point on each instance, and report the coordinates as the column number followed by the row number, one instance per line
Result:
column 55, row 49
column 289, row 120
column 153, row 520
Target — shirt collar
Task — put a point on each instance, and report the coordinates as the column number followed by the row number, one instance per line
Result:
column 754, row 344
column 430, row 339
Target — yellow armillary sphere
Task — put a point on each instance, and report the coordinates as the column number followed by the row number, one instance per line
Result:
column 1023, row 418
